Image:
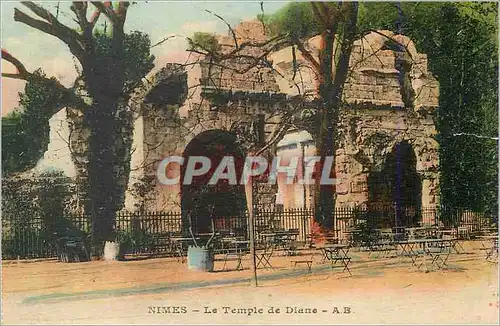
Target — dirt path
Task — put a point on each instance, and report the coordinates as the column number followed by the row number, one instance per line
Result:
column 380, row 291
column 374, row 300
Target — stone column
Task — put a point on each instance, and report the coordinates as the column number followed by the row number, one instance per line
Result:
column 429, row 199
column 427, row 156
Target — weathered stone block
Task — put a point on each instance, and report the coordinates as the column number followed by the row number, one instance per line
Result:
column 359, row 186
column 386, row 60
column 342, row 188
column 393, row 124
column 367, row 79
column 270, row 127
column 382, row 80
column 340, row 159
column 361, row 88
column 390, row 93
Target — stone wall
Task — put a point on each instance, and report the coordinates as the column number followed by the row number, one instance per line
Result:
column 369, row 135
column 377, row 116
column 375, row 108
column 165, row 132
column 373, row 79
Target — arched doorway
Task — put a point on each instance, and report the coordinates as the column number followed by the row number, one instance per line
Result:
column 395, row 190
column 222, row 203
column 298, row 144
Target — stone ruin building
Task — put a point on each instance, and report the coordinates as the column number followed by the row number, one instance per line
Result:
column 387, row 122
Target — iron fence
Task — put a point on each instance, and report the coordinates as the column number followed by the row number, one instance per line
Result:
column 36, row 236
column 148, row 233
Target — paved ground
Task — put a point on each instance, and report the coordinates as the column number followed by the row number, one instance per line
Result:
column 148, row 291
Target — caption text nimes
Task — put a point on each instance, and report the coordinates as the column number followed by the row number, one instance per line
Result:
column 228, row 310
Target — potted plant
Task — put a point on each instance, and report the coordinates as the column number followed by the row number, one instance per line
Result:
column 115, row 250
column 126, row 241
column 200, row 257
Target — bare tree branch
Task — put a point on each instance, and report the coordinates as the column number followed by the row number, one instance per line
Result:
column 41, row 12
column 69, row 96
column 342, row 66
column 121, row 11
column 21, row 69
column 163, row 40
column 52, row 27
column 80, row 10
column 278, row 135
column 262, row 11
column 105, row 8
column 306, row 53
column 294, row 63
column 95, row 17
column 121, row 16
column 319, row 15
column 228, row 25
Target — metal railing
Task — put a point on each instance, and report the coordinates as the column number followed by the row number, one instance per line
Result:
column 148, row 233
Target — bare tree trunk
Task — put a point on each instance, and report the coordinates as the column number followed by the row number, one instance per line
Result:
column 100, row 172
column 333, row 69
column 79, row 147
column 324, row 194
column 106, row 118
column 108, row 166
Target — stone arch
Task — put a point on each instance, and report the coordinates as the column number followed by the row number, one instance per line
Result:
column 396, row 188
column 380, row 143
column 427, row 153
column 222, row 203
column 168, row 86
column 236, row 105
column 379, row 39
column 399, row 164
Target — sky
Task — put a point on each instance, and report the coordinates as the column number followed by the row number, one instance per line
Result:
column 159, row 19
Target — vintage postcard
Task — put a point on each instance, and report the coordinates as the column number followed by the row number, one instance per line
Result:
column 249, row 162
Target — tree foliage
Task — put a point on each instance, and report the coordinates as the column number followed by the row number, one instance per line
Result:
column 47, row 196
column 112, row 66
column 461, row 41
column 25, row 132
column 137, row 58
column 296, row 19
column 201, row 41
column 35, row 209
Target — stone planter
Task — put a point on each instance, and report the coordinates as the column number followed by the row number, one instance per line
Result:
column 200, row 259
column 111, row 251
